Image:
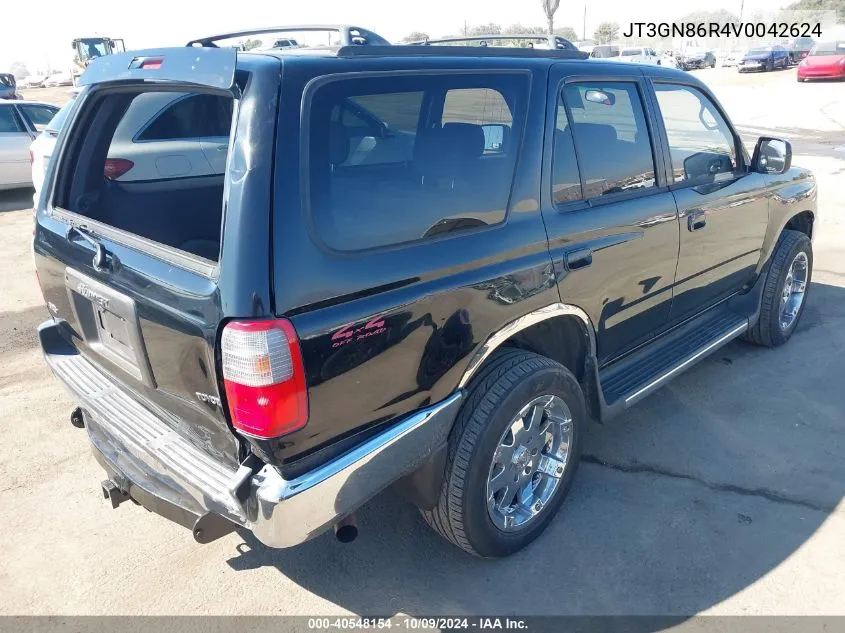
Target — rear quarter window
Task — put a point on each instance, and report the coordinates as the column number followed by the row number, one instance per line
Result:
column 404, row 158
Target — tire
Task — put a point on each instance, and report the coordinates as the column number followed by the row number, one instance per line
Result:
column 510, row 380
column 769, row 331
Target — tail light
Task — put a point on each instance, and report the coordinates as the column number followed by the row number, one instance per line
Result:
column 264, row 377
column 116, row 167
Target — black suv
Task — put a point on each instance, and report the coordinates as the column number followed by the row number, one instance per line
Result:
column 418, row 266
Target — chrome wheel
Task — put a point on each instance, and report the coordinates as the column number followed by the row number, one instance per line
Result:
column 794, row 289
column 529, row 462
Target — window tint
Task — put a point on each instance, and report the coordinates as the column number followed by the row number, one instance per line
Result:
column 700, row 142
column 8, row 120
column 189, row 117
column 386, row 170
column 39, row 116
column 566, row 183
column 612, row 137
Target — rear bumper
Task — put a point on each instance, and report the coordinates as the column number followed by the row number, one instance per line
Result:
column 168, row 474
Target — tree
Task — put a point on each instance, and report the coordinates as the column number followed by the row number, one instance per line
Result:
column 19, row 70
column 818, row 7
column 606, row 32
column 416, row 36
column 485, row 29
column 521, row 29
column 567, row 32
column 550, row 8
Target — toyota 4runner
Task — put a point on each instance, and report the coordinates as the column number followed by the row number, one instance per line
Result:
column 280, row 282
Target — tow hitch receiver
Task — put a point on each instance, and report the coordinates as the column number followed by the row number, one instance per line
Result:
column 113, row 493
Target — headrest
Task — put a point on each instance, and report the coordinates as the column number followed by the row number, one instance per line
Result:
column 595, row 133
column 465, row 139
column 339, row 143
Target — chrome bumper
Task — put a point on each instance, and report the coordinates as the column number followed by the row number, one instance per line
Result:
column 148, row 454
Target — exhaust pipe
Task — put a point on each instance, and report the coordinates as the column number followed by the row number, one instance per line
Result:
column 77, row 419
column 346, row 530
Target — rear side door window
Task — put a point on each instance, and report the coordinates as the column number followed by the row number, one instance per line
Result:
column 608, row 123
column 39, row 116
column 701, row 144
column 397, row 159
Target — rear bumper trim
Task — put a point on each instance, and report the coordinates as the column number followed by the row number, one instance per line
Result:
column 155, row 463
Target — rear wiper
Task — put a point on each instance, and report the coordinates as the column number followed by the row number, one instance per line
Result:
column 101, row 255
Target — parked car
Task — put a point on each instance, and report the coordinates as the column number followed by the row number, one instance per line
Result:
column 42, row 147
column 764, row 58
column 285, row 43
column 603, row 51
column 694, row 59
column 20, row 121
column 59, row 79
column 729, row 58
column 798, row 48
column 640, row 55
column 8, row 86
column 443, row 318
column 825, row 61
column 34, row 81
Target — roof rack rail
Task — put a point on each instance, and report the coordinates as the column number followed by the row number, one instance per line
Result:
column 410, row 50
column 554, row 41
column 349, row 35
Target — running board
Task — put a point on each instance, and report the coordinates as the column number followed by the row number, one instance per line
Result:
column 632, row 378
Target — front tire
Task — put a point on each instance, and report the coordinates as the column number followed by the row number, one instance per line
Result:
column 513, row 453
column 785, row 291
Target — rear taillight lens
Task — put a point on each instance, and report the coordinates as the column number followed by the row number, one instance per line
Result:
column 264, row 377
column 116, row 167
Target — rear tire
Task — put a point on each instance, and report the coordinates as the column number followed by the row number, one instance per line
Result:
column 775, row 326
column 502, row 397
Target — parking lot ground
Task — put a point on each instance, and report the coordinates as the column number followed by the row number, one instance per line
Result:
column 722, row 493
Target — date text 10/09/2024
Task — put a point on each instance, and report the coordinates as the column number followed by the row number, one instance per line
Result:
column 715, row 29
column 419, row 623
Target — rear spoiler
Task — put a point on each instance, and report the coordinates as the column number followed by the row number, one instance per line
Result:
column 208, row 67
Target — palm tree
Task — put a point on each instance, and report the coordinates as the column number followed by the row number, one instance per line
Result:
column 550, row 7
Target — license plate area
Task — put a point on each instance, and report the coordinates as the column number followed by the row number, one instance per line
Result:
column 108, row 324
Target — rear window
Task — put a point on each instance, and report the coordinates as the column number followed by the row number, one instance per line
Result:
column 404, row 158
column 153, row 165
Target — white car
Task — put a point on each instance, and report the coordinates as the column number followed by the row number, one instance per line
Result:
column 162, row 135
column 640, row 55
column 59, row 79
column 33, row 81
column 20, row 122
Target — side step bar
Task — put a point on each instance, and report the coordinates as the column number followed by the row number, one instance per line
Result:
column 632, row 378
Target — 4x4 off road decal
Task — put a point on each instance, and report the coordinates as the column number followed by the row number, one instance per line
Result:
column 349, row 333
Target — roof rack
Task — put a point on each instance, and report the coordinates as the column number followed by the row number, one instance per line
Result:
column 410, row 50
column 554, row 41
column 349, row 35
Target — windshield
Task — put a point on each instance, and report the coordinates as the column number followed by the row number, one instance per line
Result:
column 829, row 48
column 92, row 48
column 758, row 51
column 56, row 123
column 628, row 52
column 7, row 80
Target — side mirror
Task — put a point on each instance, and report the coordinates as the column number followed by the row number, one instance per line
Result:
column 600, row 96
column 771, row 156
column 494, row 138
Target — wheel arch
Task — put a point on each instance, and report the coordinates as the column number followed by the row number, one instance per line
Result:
column 560, row 331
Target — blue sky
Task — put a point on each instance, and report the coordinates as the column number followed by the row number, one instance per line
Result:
column 56, row 22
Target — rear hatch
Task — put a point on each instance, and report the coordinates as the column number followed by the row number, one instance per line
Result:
column 154, row 167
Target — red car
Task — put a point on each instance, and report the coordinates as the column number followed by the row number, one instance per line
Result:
column 826, row 59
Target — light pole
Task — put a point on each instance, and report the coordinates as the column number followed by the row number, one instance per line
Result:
column 584, row 28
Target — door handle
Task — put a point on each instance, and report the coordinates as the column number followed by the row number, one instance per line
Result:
column 696, row 221
column 581, row 258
